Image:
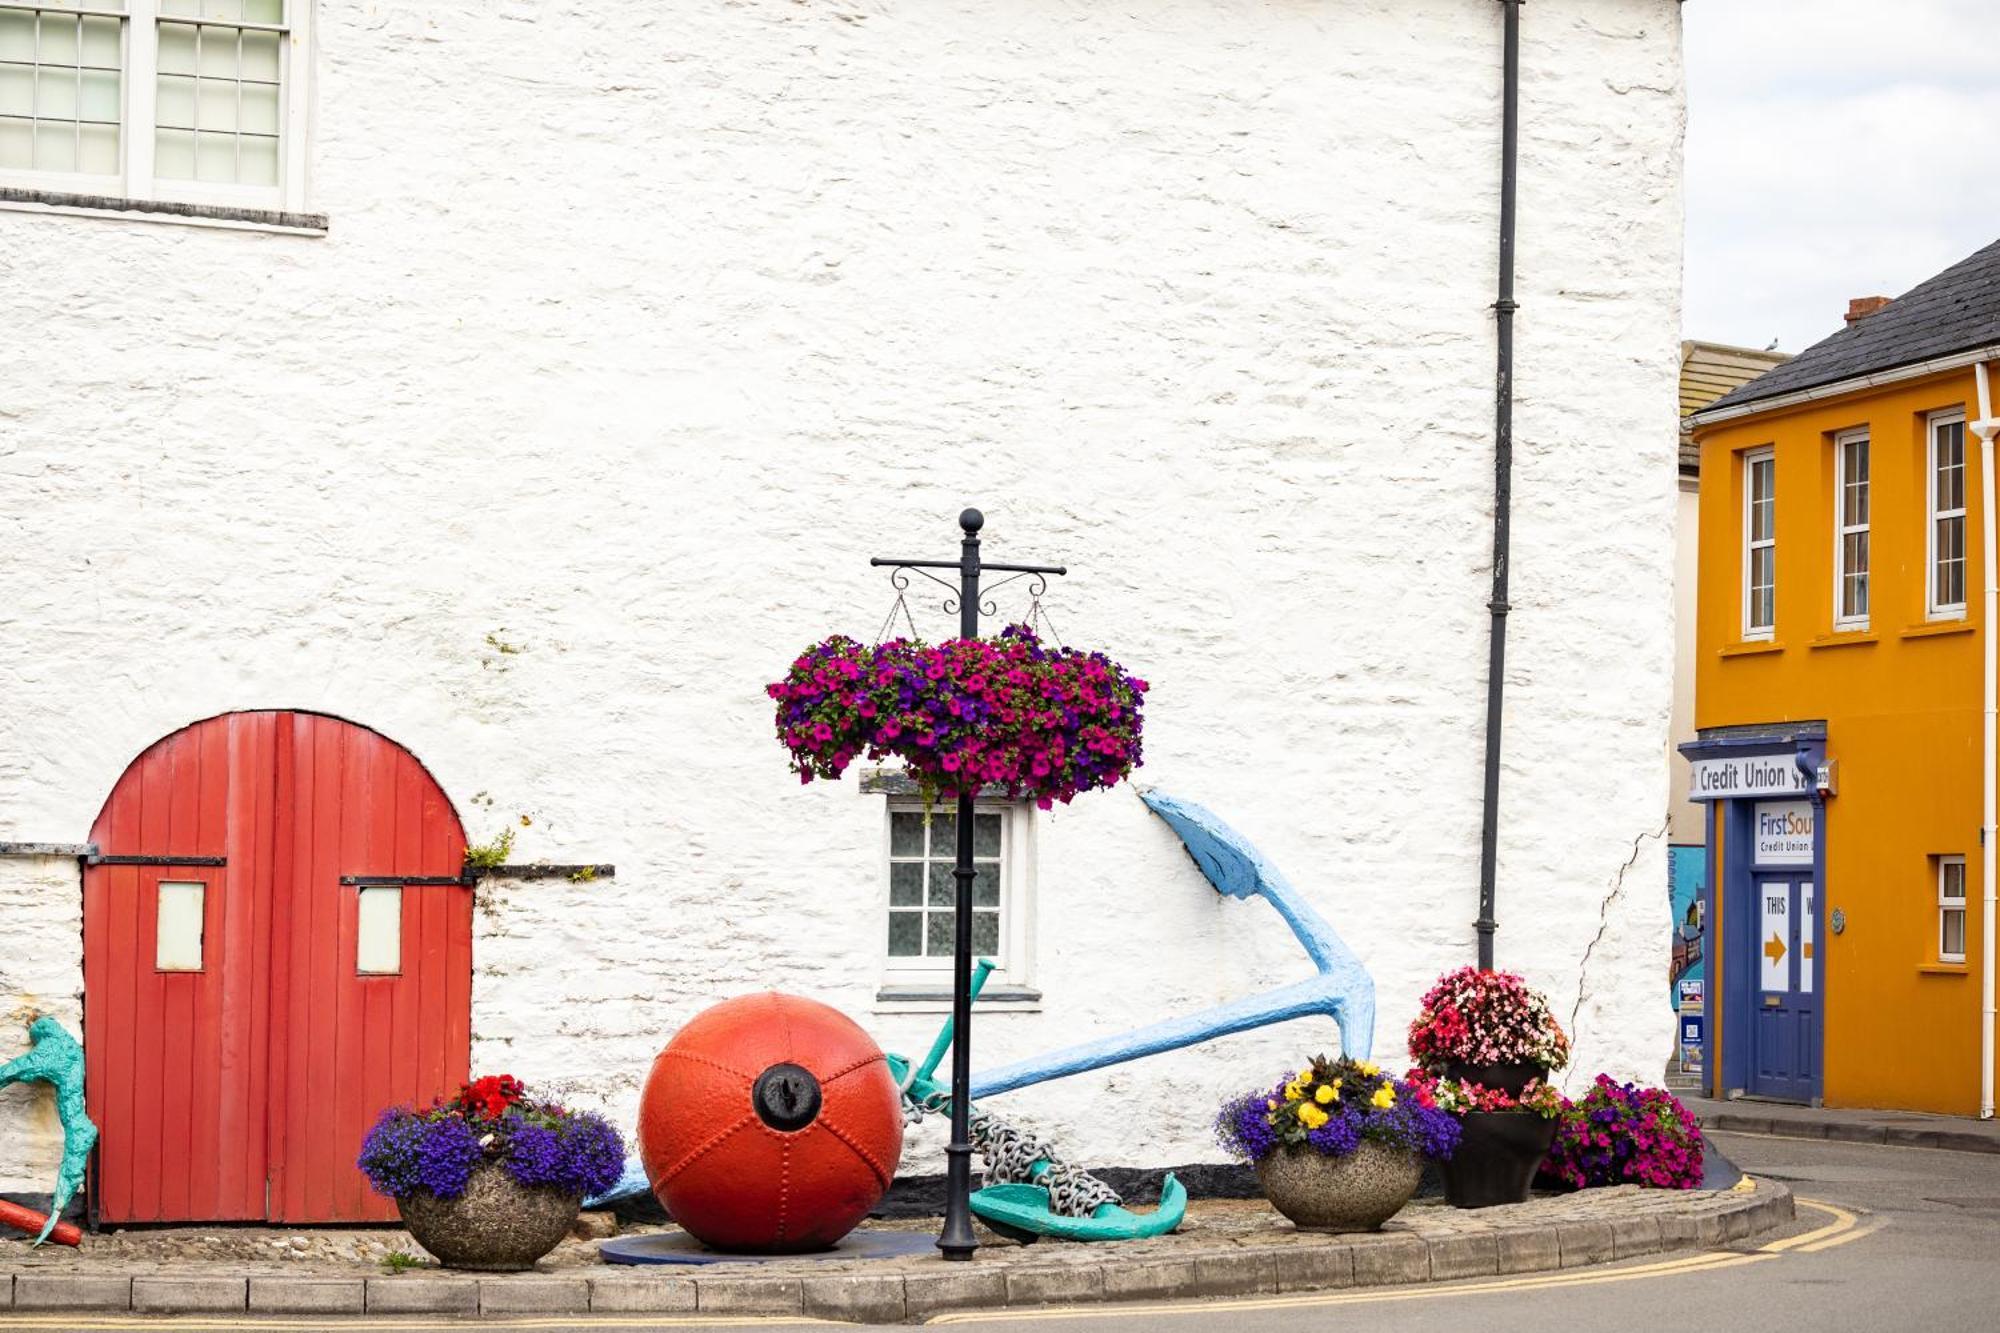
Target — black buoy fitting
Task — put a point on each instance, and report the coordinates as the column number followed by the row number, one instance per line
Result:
column 786, row 1097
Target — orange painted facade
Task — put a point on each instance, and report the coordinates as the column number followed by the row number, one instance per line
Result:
column 1901, row 702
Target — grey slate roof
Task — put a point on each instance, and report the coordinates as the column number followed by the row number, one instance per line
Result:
column 1957, row 310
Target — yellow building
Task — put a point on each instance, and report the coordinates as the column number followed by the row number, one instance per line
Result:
column 1842, row 705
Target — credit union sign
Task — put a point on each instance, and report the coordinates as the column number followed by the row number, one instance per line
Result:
column 1748, row 775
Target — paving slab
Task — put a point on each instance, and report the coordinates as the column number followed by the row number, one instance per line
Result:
column 407, row 1293
column 308, row 1295
column 186, row 1295
column 643, row 1294
column 55, row 1291
column 534, row 1295
column 747, row 1295
column 861, row 1298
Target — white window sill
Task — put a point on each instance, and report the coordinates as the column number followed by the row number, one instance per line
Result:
column 229, row 217
column 935, row 998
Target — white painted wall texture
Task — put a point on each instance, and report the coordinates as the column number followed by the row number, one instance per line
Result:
column 638, row 331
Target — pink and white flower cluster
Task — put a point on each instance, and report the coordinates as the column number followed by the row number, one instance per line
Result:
column 1486, row 1018
column 964, row 714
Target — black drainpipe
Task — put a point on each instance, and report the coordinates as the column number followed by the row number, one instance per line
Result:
column 1503, row 467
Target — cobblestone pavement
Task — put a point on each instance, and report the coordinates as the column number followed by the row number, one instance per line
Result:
column 1226, row 1247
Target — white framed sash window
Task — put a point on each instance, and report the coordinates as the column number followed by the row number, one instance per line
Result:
column 183, row 101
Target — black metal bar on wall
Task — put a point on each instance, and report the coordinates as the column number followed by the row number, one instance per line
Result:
column 159, row 860
column 1504, row 307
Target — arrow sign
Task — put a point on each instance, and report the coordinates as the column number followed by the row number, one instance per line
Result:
column 1774, row 949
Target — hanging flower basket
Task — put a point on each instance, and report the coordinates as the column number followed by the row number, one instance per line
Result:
column 1039, row 723
column 491, row 1179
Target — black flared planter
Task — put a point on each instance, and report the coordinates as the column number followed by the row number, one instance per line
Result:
column 1510, row 1079
column 1498, row 1153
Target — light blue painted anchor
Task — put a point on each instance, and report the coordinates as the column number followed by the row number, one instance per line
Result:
column 1340, row 989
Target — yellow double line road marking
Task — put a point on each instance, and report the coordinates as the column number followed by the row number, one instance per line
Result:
column 1842, row 1228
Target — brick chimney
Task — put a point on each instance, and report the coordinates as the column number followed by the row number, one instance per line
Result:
column 1861, row 307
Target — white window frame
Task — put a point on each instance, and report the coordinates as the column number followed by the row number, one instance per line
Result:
column 138, row 85
column 1017, row 858
column 1933, row 608
column 1949, row 905
column 1751, row 458
column 1842, row 530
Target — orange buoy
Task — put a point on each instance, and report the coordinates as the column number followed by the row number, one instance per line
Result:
column 770, row 1124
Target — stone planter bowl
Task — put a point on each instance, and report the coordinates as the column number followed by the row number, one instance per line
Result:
column 1358, row 1192
column 496, row 1226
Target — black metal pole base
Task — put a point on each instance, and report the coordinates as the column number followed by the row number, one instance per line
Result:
column 956, row 1241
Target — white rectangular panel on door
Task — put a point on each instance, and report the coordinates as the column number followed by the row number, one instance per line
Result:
column 1774, row 938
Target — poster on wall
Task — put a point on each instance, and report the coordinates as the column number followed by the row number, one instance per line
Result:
column 1687, row 869
column 1687, row 875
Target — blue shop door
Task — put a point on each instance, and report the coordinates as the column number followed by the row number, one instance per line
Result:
column 1784, row 1023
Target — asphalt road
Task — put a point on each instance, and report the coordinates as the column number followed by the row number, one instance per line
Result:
column 1909, row 1238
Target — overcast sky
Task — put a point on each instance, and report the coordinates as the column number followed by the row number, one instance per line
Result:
column 1836, row 148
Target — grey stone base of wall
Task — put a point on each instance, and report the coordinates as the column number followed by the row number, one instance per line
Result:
column 1439, row 1244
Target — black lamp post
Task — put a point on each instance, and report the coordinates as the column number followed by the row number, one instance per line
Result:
column 956, row 1240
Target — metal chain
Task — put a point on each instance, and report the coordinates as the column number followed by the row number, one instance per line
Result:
column 1038, row 616
column 1012, row 1153
column 898, row 605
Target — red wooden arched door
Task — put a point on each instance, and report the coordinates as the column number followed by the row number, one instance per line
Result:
column 276, row 945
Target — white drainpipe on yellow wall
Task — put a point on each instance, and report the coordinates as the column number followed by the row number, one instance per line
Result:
column 1985, row 428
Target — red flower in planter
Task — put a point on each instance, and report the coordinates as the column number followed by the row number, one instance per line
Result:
column 488, row 1097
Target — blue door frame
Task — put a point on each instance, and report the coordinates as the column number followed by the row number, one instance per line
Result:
column 1735, row 999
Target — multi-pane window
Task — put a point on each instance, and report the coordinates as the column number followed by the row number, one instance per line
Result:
column 217, row 107
column 1850, row 518
column 192, row 99
column 61, row 87
column 923, row 849
column 1760, row 544
column 1946, row 595
column 1951, row 909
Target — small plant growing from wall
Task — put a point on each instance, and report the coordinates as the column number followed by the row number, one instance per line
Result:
column 492, row 854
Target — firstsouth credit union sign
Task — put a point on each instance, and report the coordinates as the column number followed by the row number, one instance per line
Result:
column 1750, row 775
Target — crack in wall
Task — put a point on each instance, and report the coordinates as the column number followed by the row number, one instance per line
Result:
column 1604, row 925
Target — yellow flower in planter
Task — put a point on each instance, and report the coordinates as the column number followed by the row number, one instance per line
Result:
column 1384, row 1098
column 1270, row 1104
column 1370, row 1068
column 1293, row 1093
column 1311, row 1116
column 1325, row 1093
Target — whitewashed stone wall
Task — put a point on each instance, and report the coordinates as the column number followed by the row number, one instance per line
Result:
column 639, row 329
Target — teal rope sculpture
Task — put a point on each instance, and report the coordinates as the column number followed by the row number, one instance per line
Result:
column 56, row 1059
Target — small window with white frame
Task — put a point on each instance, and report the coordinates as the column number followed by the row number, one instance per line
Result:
column 1944, row 595
column 1850, row 528
column 1951, row 909
column 922, row 854
column 190, row 101
column 1760, row 544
